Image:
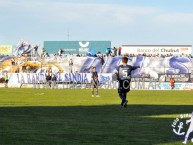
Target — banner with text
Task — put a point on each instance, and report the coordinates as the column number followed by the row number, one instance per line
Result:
column 6, row 49
column 31, row 78
column 175, row 50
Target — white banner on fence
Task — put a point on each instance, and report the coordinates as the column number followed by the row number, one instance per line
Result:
column 16, row 79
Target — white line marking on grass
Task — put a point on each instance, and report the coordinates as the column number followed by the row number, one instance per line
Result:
column 39, row 94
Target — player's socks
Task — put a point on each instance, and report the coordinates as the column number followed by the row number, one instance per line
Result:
column 97, row 94
column 125, row 104
column 92, row 93
column 122, row 102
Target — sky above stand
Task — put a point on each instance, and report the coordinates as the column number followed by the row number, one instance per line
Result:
column 143, row 22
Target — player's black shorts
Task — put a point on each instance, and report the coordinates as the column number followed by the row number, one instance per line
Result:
column 124, row 86
column 95, row 83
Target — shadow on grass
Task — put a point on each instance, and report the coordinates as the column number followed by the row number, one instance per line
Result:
column 88, row 125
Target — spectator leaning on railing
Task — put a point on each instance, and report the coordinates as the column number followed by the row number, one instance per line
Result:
column 48, row 79
column 70, row 65
column 6, row 80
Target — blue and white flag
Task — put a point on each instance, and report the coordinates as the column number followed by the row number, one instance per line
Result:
column 23, row 47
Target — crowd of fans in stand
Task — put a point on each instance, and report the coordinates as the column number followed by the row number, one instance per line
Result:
column 112, row 52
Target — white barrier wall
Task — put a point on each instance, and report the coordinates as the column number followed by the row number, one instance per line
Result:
column 106, row 82
column 84, row 79
column 160, row 86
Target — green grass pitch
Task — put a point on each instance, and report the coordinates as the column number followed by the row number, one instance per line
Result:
column 73, row 117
